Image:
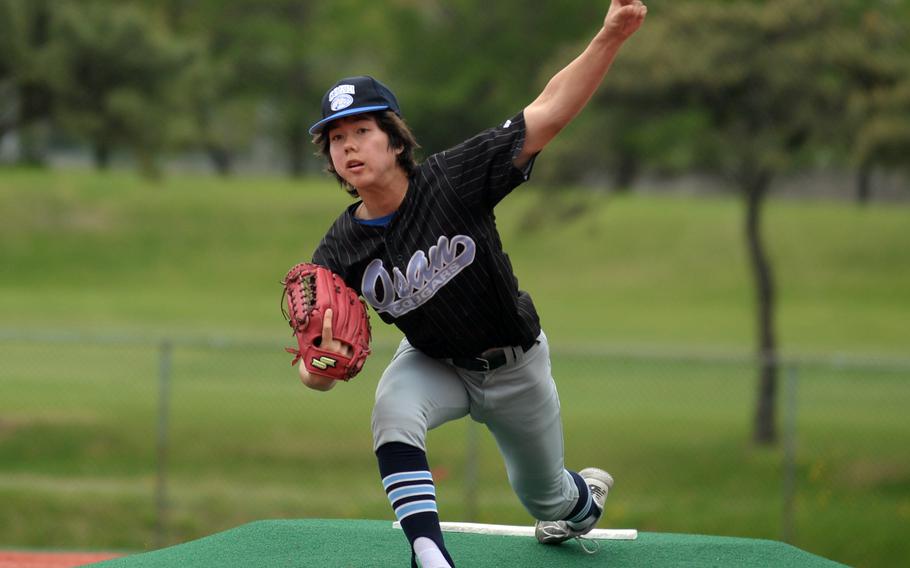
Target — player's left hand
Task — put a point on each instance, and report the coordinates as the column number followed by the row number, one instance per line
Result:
column 329, row 322
column 624, row 17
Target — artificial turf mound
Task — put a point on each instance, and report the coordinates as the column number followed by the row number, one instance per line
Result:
column 357, row 544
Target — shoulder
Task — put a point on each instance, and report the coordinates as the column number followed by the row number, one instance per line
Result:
column 502, row 135
column 339, row 237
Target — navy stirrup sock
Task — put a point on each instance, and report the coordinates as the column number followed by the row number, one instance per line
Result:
column 585, row 507
column 408, row 483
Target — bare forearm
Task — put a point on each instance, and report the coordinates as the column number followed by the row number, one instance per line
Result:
column 570, row 90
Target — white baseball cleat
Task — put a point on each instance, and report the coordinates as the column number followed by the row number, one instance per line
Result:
column 556, row 532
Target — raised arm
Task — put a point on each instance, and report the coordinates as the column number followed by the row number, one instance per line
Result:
column 570, row 90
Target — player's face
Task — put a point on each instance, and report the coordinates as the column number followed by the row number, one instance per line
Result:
column 361, row 153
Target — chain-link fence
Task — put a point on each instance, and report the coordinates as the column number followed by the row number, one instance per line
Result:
column 136, row 443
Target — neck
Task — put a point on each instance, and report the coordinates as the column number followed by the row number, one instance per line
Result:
column 383, row 199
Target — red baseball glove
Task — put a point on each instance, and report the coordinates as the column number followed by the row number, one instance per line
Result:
column 310, row 290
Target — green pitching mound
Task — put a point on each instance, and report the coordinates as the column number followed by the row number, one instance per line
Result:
column 357, row 544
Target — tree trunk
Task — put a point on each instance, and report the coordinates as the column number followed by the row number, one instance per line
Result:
column 863, row 183
column 33, row 143
column 35, row 98
column 625, row 173
column 221, row 159
column 297, row 144
column 102, row 155
column 756, row 189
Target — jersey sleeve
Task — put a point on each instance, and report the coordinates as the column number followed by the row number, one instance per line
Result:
column 480, row 169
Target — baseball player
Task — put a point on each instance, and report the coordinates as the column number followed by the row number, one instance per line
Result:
column 421, row 246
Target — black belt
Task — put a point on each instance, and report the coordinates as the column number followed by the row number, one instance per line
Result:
column 490, row 359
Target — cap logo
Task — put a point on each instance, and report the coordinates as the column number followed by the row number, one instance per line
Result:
column 340, row 97
column 341, row 102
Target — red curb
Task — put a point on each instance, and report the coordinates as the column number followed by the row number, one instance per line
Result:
column 51, row 560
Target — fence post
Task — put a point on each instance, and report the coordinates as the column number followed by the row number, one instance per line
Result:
column 165, row 352
column 789, row 478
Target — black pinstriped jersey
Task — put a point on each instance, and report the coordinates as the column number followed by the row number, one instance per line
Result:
column 437, row 270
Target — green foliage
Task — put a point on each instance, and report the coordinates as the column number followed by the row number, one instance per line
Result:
column 704, row 84
column 26, row 72
column 745, row 87
column 768, row 75
column 457, row 73
column 880, row 103
column 269, row 46
column 221, row 107
column 884, row 135
column 119, row 69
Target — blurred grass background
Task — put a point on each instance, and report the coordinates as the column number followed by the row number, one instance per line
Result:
column 201, row 254
column 646, row 300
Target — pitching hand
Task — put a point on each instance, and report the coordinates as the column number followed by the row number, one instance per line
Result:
column 624, row 17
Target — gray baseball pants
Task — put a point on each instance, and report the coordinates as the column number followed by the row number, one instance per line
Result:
column 518, row 403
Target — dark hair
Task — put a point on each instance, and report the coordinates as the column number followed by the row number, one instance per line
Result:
column 400, row 136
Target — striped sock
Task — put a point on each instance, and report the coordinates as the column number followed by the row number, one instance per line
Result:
column 410, row 493
column 409, row 486
column 585, row 509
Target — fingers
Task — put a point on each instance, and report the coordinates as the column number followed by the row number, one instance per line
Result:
column 636, row 8
column 328, row 341
column 327, row 327
column 625, row 16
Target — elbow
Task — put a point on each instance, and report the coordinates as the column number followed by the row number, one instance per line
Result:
column 542, row 124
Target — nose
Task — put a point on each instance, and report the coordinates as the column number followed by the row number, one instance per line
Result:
column 349, row 144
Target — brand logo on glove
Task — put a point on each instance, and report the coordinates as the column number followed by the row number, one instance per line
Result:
column 425, row 275
column 323, row 362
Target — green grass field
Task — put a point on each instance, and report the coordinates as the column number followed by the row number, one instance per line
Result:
column 112, row 256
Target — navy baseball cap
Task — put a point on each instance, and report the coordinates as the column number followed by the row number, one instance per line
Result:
column 355, row 95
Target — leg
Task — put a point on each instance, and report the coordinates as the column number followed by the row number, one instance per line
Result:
column 416, row 393
column 522, row 410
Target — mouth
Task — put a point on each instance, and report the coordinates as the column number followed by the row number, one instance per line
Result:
column 354, row 166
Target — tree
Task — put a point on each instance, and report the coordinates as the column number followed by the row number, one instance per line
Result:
column 460, row 66
column 884, row 135
column 770, row 79
column 221, row 103
column 272, row 50
column 879, row 73
column 25, row 73
column 120, row 68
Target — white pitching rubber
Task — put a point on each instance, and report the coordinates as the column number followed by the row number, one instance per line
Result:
column 514, row 530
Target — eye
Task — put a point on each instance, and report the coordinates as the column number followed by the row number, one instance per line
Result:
column 335, row 137
column 362, row 130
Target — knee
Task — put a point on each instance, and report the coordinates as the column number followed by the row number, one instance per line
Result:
column 394, row 421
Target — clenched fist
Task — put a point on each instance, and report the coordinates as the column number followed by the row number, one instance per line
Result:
column 624, row 17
